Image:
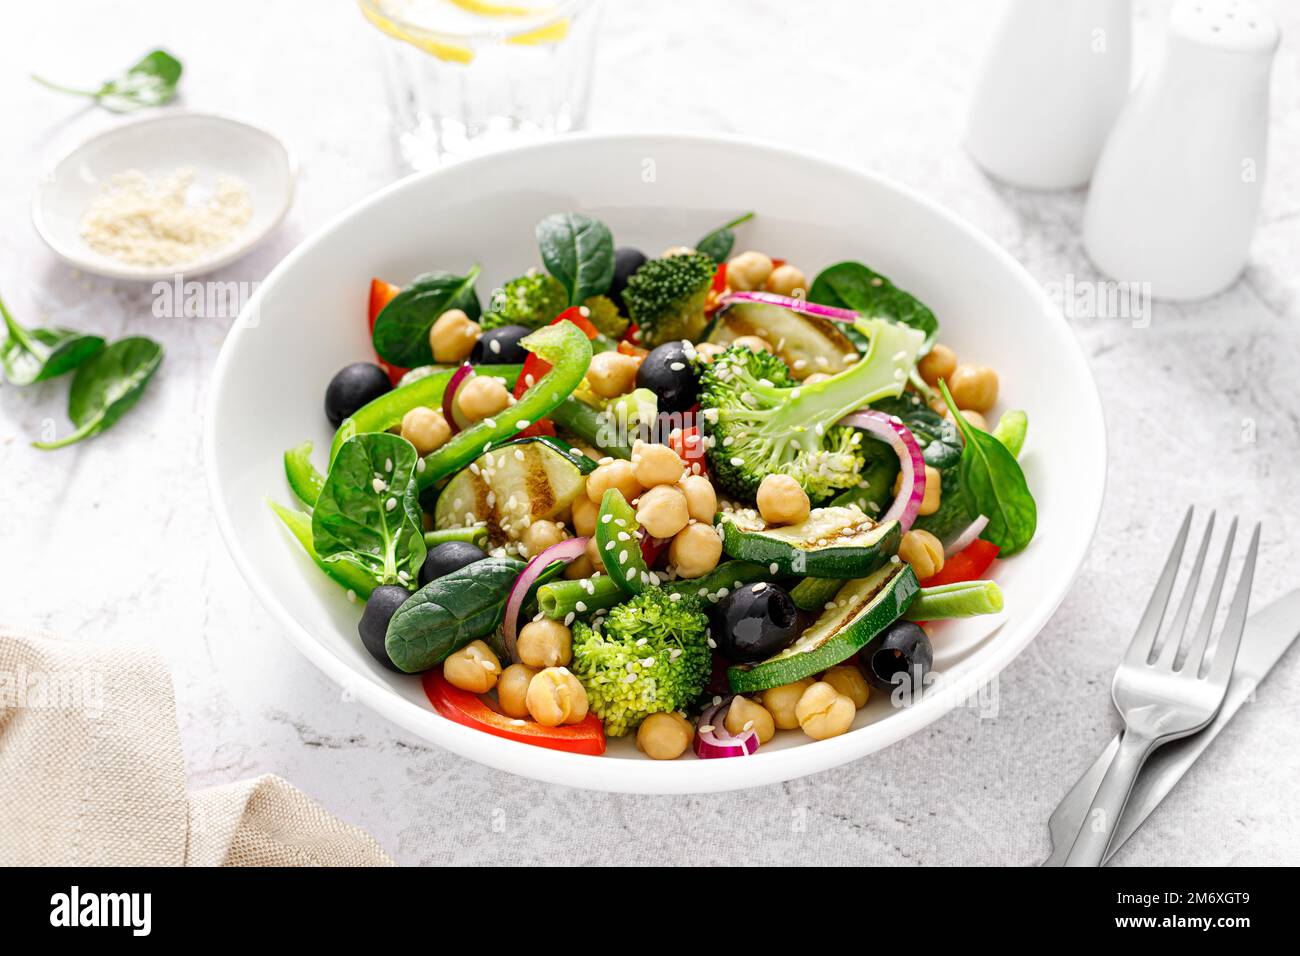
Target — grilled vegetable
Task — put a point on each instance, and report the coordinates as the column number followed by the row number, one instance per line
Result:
column 838, row 542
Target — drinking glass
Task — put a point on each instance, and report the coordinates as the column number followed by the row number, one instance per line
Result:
column 468, row 76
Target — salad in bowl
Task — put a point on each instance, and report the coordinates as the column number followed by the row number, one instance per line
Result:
column 697, row 499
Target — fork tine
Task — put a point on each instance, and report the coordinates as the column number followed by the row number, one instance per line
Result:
column 1139, row 649
column 1225, row 655
column 1177, row 629
column 1196, row 650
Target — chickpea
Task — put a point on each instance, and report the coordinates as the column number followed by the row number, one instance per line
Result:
column 555, row 697
column 814, row 378
column 782, row 500
column 612, row 374
column 655, row 464
column 938, row 363
column 662, row 511
column 512, row 688
column 592, row 554
column 707, row 351
column 426, row 429
column 824, row 712
column 701, row 499
column 545, row 643
column 780, row 703
column 664, row 736
column 933, row 489
column 974, row 387
column 744, row 713
column 922, row 551
column 973, row 417
column 754, row 343
column 677, row 251
column 540, row 535
column 617, row 474
column 748, row 271
column 695, row 550
column 584, row 516
column 482, row 397
column 787, row 280
column 452, row 337
column 580, row 567
column 473, row 668
column 848, row 680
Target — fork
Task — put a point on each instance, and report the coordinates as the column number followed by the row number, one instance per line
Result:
column 1159, row 699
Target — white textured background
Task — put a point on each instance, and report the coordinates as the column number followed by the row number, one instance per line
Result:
column 113, row 540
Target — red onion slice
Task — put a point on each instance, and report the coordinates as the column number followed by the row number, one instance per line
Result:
column 907, row 503
column 450, row 408
column 960, row 542
column 717, row 742
column 569, row 549
column 794, row 305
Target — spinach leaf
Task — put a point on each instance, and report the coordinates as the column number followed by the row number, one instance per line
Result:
column 150, row 82
column 718, row 243
column 106, row 386
column 995, row 486
column 449, row 612
column 401, row 334
column 368, row 510
column 940, row 442
column 34, row 355
column 579, row 252
column 851, row 285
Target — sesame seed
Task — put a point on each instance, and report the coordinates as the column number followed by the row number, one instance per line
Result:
column 737, row 461
column 419, row 466
column 388, row 464
column 379, row 486
column 352, row 596
column 390, row 504
column 773, row 567
column 521, row 424
column 631, row 573
column 568, row 618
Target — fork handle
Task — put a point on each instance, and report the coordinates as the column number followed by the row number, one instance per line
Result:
column 1103, row 816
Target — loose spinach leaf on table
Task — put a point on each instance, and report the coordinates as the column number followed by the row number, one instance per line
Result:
column 449, row 612
column 150, row 82
column 401, row 334
column 368, row 511
column 851, row 285
column 579, row 252
column 34, row 355
column 107, row 386
column 995, row 486
column 717, row 244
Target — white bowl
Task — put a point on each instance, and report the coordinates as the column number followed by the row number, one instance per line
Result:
column 654, row 191
column 158, row 145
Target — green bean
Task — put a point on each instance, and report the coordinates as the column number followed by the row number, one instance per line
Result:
column 726, row 577
column 811, row 594
column 558, row 599
column 476, row 534
column 963, row 599
column 589, row 425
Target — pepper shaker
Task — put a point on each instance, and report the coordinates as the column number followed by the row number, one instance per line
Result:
column 1053, row 80
column 1177, row 189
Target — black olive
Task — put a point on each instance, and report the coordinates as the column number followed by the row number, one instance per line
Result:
column 500, row 346
column 380, row 608
column 448, row 557
column 897, row 656
column 754, row 622
column 626, row 262
column 353, row 386
column 667, row 372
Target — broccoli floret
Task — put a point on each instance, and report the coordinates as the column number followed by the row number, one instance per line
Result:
column 666, row 297
column 532, row 300
column 760, row 422
column 605, row 316
column 651, row 654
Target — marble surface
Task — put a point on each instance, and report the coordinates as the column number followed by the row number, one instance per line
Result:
column 113, row 540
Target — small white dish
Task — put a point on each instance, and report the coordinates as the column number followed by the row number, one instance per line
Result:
column 210, row 145
column 308, row 319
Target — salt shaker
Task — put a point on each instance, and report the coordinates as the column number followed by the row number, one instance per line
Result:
column 1053, row 80
column 1176, row 192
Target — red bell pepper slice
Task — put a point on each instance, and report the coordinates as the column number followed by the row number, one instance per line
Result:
column 689, row 445
column 534, row 368
column 652, row 549
column 585, row 737
column 966, row 565
column 382, row 293
column 717, row 290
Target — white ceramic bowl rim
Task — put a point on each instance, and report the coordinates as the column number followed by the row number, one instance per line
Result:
column 681, row 776
column 221, row 256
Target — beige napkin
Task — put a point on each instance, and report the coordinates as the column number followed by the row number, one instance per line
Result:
column 91, row 774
